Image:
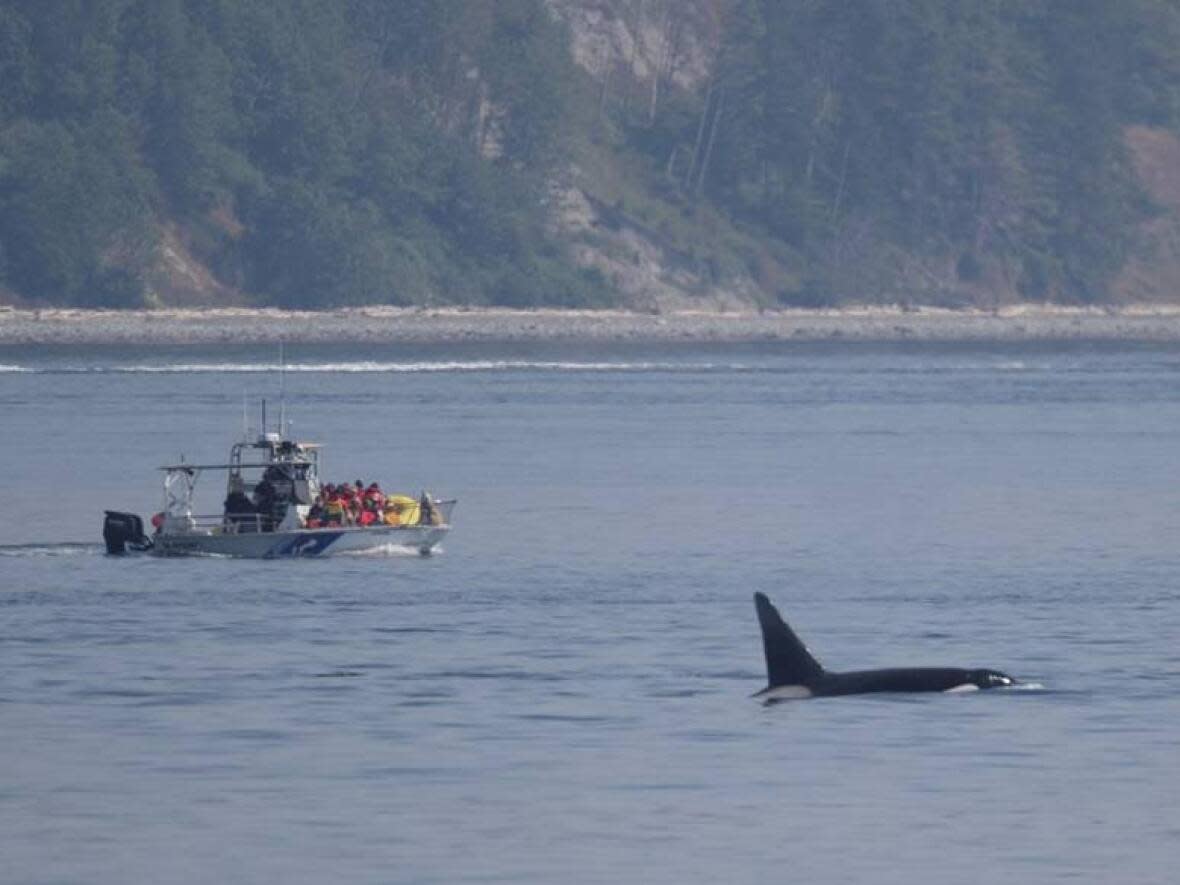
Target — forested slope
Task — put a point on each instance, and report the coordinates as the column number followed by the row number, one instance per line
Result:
column 306, row 153
column 587, row 152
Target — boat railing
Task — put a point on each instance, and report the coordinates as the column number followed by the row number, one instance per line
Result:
column 241, row 523
column 227, row 523
column 444, row 509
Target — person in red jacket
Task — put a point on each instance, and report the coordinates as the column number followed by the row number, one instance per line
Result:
column 373, row 493
column 369, row 515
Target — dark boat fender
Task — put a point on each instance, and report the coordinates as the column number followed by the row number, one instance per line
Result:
column 123, row 532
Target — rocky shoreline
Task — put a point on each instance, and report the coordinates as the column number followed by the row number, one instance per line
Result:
column 1156, row 323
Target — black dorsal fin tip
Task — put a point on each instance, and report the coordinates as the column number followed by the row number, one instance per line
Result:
column 788, row 660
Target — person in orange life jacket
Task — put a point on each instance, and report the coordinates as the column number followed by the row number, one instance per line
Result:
column 344, row 494
column 335, row 512
column 369, row 515
column 373, row 493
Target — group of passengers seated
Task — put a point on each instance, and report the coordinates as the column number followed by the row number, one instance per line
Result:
column 360, row 505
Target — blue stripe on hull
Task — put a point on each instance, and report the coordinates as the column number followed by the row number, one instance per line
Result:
column 307, row 545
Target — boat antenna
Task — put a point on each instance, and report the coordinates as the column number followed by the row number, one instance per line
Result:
column 282, row 392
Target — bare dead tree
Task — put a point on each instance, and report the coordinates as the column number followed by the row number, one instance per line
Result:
column 718, row 110
column 843, row 178
column 696, row 149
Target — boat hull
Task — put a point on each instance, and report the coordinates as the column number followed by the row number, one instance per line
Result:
column 302, row 543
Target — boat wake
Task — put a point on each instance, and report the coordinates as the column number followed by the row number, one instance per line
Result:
column 1022, row 686
column 385, row 550
column 373, row 367
column 474, row 366
column 68, row 548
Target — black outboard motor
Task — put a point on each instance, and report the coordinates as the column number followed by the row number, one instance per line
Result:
column 123, row 531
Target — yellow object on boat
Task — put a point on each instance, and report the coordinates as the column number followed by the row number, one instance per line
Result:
column 401, row 510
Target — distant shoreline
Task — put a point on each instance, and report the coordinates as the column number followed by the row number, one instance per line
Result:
column 1021, row 323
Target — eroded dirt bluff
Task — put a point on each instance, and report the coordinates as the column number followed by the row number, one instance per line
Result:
column 1152, row 271
column 638, row 53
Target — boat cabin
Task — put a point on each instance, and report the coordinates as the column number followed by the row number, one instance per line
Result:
column 270, row 486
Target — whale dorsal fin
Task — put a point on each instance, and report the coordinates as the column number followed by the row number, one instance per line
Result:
column 788, row 662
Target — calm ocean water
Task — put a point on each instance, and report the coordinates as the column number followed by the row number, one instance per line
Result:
column 561, row 694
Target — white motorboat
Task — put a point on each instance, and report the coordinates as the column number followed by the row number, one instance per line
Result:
column 271, row 485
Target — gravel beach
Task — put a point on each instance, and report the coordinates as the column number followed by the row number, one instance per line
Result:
column 1156, row 323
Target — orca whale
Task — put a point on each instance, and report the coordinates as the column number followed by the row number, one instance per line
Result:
column 793, row 672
